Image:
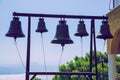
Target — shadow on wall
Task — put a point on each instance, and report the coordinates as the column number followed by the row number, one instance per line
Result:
column 115, row 46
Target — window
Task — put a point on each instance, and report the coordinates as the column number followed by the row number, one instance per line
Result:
column 116, row 3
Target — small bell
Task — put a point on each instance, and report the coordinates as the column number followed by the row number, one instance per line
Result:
column 104, row 31
column 15, row 29
column 62, row 34
column 81, row 30
column 41, row 26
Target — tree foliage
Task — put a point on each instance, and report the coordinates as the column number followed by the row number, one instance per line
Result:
column 36, row 79
column 81, row 64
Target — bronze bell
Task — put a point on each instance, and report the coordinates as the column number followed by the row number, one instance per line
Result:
column 62, row 34
column 81, row 30
column 41, row 26
column 15, row 29
column 104, row 31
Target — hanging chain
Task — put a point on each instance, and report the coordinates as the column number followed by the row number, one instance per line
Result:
column 61, row 55
column 102, row 59
column 81, row 47
column 19, row 54
column 44, row 56
column 103, row 46
column 103, row 49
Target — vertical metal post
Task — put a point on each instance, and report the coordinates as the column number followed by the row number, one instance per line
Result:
column 91, row 48
column 93, row 43
column 95, row 56
column 103, row 69
column 28, row 49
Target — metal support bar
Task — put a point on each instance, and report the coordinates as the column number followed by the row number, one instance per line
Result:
column 33, row 77
column 62, row 73
column 95, row 56
column 92, row 43
column 103, row 70
column 59, row 16
column 91, row 47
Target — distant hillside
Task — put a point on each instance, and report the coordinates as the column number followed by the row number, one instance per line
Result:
column 11, row 70
column 18, row 69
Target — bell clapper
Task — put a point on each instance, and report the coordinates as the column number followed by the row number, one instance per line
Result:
column 15, row 39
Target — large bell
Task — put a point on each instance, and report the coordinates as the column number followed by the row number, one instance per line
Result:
column 62, row 34
column 15, row 29
column 41, row 26
column 81, row 30
column 104, row 31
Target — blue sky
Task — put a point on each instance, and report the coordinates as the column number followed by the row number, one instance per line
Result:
column 8, row 53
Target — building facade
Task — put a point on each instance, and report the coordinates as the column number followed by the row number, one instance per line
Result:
column 113, row 45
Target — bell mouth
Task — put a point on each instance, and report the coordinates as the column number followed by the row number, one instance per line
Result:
column 81, row 34
column 61, row 41
column 104, row 37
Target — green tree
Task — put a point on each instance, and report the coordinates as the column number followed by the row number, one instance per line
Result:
column 36, row 79
column 81, row 64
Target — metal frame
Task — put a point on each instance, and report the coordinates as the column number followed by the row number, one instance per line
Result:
column 92, row 44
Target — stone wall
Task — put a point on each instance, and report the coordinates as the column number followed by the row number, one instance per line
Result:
column 113, row 45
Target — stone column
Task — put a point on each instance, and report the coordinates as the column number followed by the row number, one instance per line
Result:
column 112, row 67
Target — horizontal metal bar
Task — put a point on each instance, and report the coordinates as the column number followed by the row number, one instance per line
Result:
column 59, row 16
column 62, row 73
